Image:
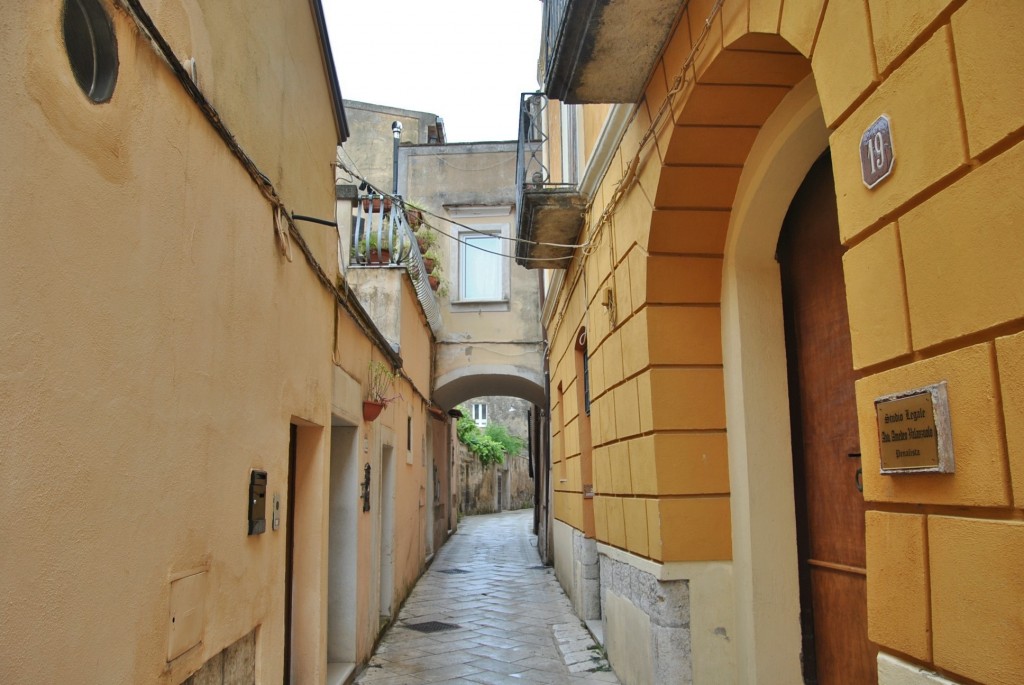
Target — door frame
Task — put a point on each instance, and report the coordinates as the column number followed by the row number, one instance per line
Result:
column 305, row 616
column 386, row 525
column 766, row 585
column 342, row 539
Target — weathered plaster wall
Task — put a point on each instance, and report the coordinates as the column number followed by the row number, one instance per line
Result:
column 478, row 484
column 371, row 146
column 156, row 345
column 499, row 339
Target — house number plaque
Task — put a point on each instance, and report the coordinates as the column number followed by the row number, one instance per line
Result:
column 876, row 155
column 914, row 431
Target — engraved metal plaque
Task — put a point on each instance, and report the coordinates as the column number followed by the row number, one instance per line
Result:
column 914, row 434
column 876, row 153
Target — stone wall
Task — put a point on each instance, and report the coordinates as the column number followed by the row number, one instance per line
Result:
column 236, row 665
column 479, row 488
column 644, row 605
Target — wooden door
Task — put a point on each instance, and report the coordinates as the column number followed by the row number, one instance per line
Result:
column 826, row 451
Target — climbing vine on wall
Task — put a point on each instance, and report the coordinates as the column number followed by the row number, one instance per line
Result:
column 490, row 445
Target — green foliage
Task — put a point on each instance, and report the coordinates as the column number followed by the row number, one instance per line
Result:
column 490, row 445
column 511, row 444
column 380, row 383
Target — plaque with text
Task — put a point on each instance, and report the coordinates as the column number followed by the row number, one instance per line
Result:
column 914, row 434
column 876, row 153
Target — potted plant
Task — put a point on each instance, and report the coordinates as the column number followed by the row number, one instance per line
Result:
column 379, row 388
column 437, row 280
column 430, row 259
column 414, row 215
column 375, row 201
column 373, row 251
column 379, row 252
column 426, row 239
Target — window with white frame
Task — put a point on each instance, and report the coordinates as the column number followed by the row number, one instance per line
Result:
column 480, row 414
column 482, row 263
column 572, row 133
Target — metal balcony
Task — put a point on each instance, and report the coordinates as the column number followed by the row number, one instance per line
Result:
column 382, row 238
column 549, row 216
column 603, row 51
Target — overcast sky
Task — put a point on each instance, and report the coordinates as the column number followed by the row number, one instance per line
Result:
column 465, row 60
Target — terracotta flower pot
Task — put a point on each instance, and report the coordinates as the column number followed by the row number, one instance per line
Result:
column 429, row 264
column 434, row 281
column 371, row 410
column 377, row 204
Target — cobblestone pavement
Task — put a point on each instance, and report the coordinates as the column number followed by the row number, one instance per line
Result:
column 513, row 623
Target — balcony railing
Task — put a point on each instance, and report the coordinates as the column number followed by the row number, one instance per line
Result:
column 532, row 170
column 547, row 212
column 382, row 237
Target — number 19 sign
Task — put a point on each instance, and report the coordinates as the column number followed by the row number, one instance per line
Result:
column 876, row 155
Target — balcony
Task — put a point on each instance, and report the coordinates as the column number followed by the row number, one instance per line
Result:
column 383, row 239
column 549, row 216
column 603, row 51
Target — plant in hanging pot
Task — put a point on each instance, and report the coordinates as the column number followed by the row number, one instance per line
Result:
column 437, row 280
column 413, row 214
column 426, row 239
column 374, row 251
column 371, row 252
column 380, row 385
column 430, row 260
column 375, row 202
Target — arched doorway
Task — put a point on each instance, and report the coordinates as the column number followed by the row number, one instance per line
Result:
column 765, row 568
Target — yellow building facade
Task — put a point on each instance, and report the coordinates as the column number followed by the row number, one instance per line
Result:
column 742, row 300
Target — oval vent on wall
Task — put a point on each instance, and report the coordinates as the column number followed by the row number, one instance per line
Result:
column 92, row 47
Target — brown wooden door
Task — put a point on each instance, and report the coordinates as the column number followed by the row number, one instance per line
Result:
column 826, row 451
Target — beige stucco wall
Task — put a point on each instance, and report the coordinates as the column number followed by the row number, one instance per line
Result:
column 404, row 493
column 156, row 345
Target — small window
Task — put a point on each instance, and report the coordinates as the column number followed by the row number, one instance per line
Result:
column 480, row 415
column 583, row 367
column 481, row 265
column 571, row 143
column 91, row 47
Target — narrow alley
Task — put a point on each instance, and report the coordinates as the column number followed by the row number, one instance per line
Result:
column 487, row 611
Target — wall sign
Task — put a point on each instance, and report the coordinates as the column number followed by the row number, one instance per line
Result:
column 876, row 153
column 914, row 434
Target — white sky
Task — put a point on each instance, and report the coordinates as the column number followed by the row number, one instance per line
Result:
column 465, row 60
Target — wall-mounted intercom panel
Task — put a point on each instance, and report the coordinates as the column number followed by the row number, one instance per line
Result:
column 257, row 502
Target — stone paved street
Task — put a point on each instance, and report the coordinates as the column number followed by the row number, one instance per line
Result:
column 514, row 623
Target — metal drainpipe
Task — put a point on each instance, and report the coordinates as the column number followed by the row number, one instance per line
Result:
column 396, row 129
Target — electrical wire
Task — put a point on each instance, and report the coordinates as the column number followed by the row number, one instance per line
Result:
column 400, row 201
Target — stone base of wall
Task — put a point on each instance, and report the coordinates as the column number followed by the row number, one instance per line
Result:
column 893, row 671
column 646, row 625
column 577, row 569
column 236, row 665
column 586, row 576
